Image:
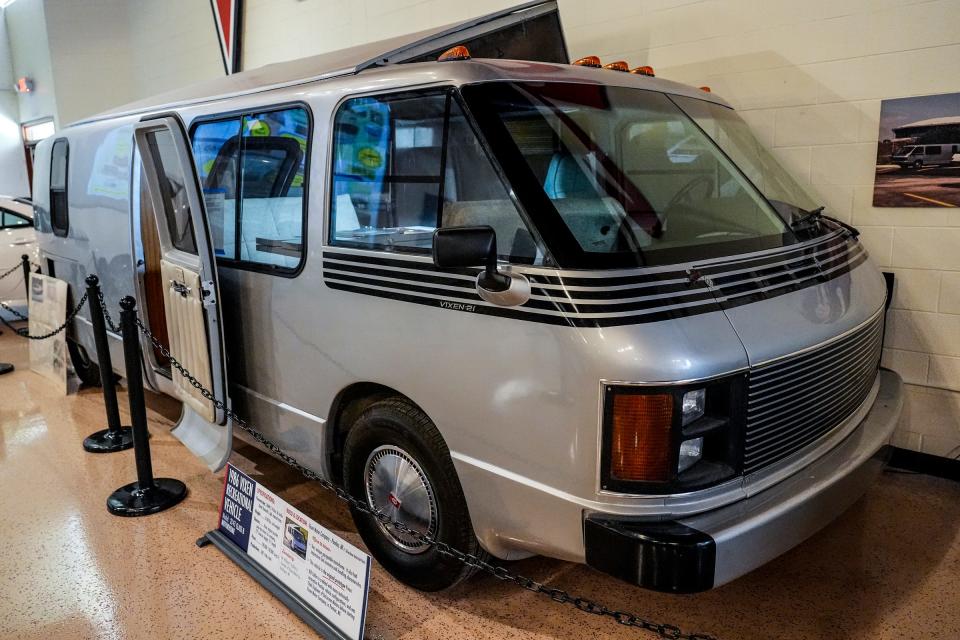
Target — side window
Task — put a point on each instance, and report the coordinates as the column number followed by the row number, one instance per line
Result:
column 405, row 164
column 933, row 151
column 11, row 220
column 59, row 218
column 252, row 170
column 216, row 149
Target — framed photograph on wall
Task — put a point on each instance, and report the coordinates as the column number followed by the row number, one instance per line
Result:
column 918, row 152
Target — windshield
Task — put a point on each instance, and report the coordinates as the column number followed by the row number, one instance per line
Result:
column 733, row 136
column 615, row 176
column 906, row 151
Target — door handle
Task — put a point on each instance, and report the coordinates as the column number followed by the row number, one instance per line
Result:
column 180, row 288
column 20, row 243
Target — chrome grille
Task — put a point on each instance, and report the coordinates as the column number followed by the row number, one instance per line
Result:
column 796, row 400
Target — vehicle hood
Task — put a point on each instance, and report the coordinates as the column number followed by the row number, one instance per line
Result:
column 795, row 298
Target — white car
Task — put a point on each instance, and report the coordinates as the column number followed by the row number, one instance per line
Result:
column 16, row 238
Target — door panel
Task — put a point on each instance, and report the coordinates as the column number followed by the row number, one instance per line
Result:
column 188, row 334
column 189, row 286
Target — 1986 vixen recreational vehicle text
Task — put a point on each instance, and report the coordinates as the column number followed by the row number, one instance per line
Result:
column 526, row 307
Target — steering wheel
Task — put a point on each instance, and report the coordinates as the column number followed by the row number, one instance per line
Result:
column 684, row 193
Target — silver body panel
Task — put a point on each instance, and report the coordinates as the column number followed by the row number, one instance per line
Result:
column 515, row 400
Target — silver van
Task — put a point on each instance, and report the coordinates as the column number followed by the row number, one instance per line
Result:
column 523, row 307
column 920, row 155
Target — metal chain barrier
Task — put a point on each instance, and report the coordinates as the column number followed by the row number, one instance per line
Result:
column 501, row 573
column 23, row 332
column 106, row 315
column 19, row 265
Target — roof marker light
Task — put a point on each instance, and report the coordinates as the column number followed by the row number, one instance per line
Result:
column 705, row 89
column 458, row 52
column 643, row 71
column 619, row 65
column 588, row 61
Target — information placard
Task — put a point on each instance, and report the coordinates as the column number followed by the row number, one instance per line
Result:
column 48, row 309
column 326, row 572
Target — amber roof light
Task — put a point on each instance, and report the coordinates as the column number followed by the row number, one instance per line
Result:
column 643, row 71
column 458, row 52
column 588, row 61
column 705, row 89
column 619, row 65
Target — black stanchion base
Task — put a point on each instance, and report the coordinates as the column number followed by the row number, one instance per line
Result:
column 107, row 441
column 5, row 367
column 133, row 500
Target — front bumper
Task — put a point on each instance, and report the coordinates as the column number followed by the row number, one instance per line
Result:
column 706, row 550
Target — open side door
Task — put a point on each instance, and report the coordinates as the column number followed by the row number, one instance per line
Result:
column 190, row 291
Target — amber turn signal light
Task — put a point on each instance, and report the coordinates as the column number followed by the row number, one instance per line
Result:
column 643, row 71
column 705, row 89
column 641, row 437
column 587, row 61
column 619, row 65
column 458, row 52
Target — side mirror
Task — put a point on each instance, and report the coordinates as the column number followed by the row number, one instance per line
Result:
column 455, row 247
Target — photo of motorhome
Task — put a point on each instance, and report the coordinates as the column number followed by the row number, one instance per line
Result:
column 520, row 306
column 918, row 152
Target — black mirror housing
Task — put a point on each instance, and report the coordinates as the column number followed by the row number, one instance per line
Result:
column 456, row 247
column 463, row 246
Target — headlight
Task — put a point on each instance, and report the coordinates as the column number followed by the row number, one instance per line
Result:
column 671, row 438
column 693, row 405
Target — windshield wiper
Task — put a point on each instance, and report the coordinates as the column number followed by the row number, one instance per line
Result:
column 808, row 216
column 817, row 214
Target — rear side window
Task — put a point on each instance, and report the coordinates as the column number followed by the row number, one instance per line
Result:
column 253, row 174
column 59, row 218
column 934, row 151
column 406, row 164
column 11, row 220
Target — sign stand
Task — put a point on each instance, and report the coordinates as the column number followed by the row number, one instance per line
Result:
column 318, row 575
column 310, row 616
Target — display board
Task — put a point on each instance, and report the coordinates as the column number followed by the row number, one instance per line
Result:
column 324, row 579
column 48, row 310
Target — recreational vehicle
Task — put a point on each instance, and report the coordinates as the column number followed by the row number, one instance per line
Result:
column 920, row 155
column 522, row 307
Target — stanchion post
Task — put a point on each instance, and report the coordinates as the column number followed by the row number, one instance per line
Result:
column 148, row 494
column 115, row 437
column 25, row 262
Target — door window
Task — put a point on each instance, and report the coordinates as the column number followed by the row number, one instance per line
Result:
column 59, row 218
column 933, row 151
column 406, row 164
column 173, row 190
column 253, row 173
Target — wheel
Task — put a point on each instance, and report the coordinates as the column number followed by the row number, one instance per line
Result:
column 918, row 164
column 395, row 460
column 87, row 370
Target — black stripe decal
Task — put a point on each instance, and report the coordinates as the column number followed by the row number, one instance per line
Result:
column 720, row 268
column 425, row 277
column 773, row 293
column 517, row 314
column 836, row 257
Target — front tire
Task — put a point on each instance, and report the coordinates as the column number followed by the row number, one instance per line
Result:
column 395, row 460
column 86, row 369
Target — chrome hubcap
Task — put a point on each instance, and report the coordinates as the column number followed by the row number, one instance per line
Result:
column 398, row 487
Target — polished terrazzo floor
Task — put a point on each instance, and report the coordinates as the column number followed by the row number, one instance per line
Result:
column 889, row 568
